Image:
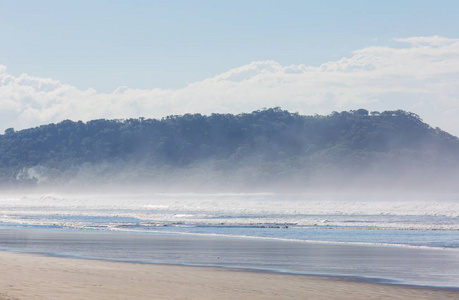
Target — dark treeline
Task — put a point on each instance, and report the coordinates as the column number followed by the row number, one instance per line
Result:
column 265, row 146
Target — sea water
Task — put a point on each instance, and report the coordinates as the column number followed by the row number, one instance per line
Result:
column 402, row 238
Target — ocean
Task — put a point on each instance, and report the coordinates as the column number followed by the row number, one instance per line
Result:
column 405, row 239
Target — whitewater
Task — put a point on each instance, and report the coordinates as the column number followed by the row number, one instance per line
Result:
column 400, row 239
column 410, row 220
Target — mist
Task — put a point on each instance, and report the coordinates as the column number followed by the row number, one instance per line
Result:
column 269, row 150
column 249, row 176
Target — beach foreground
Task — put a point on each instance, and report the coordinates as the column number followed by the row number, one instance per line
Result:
column 29, row 276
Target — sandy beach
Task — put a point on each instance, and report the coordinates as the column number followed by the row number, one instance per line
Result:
column 30, row 276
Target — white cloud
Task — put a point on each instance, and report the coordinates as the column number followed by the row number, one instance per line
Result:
column 427, row 40
column 420, row 77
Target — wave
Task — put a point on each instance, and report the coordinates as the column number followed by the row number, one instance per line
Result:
column 245, row 204
column 288, row 239
column 244, row 215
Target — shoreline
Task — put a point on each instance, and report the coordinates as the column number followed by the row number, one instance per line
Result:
column 240, row 237
column 360, row 263
column 338, row 277
column 35, row 276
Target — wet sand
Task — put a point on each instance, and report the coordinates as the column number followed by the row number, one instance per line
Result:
column 29, row 276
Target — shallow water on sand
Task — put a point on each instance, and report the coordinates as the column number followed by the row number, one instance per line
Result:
column 392, row 264
column 400, row 239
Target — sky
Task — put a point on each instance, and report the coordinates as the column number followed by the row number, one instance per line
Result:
column 83, row 60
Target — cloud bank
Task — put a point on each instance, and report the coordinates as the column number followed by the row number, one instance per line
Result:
column 420, row 76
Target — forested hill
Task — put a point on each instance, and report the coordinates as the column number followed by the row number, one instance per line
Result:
column 259, row 149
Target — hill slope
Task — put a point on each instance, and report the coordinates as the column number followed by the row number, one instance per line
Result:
column 263, row 149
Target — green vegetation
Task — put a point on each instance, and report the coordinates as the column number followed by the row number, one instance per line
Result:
column 257, row 149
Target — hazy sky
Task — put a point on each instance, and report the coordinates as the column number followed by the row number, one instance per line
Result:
column 82, row 60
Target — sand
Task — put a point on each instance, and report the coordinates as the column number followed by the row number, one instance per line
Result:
column 29, row 276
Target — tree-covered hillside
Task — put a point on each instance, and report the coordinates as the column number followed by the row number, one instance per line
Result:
column 259, row 149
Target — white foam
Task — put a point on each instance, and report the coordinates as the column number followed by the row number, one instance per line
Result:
column 439, row 212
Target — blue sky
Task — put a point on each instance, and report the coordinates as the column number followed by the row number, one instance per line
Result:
column 167, row 44
column 168, row 54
